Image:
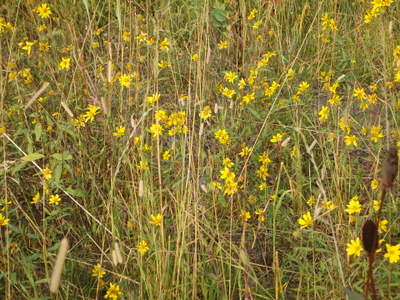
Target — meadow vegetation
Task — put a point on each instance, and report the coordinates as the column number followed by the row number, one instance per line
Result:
column 198, row 149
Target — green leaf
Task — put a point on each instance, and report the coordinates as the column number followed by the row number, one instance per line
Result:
column 32, row 156
column 62, row 156
column 58, row 172
column 352, row 295
column 76, row 192
column 255, row 113
column 219, row 15
column 67, row 155
column 18, row 167
column 57, row 156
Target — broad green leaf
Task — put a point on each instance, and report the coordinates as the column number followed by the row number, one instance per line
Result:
column 32, row 156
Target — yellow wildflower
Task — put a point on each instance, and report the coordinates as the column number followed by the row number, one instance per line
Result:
column 113, row 292
column 195, row 57
column 245, row 151
column 323, row 114
column 359, row 93
column 376, row 133
column 354, row 206
column 35, row 199
column 205, row 113
column 47, row 173
column 142, row 247
column 3, row 220
column 230, row 76
column 306, row 220
column 119, row 131
column 153, row 98
column 246, row 99
column 156, row 219
column 92, row 111
column 392, row 253
column 166, row 155
column 374, row 184
column 354, row 247
column 98, row 271
column 125, row 80
column 64, row 63
column 55, row 199
column 228, row 92
column 350, row 140
column 222, row 136
column 277, row 138
column 223, row 44
column 245, row 215
column 126, row 36
column 164, row 64
column 311, row 200
column 304, row 86
column 376, row 205
column 43, row 11
column 27, row 47
column 383, row 225
column 156, row 129
column 252, row 14
column 164, row 45
column 260, row 213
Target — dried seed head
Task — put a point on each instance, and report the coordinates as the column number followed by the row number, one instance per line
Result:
column 58, row 266
column 370, row 237
column 114, row 257
column 141, row 189
column 118, row 253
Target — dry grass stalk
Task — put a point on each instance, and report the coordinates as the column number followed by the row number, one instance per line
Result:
column 36, row 95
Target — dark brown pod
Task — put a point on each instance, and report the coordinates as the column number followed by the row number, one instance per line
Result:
column 370, row 236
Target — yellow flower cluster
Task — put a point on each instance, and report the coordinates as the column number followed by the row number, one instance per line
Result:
column 5, row 25
column 328, row 26
column 364, row 97
column 323, row 114
column 377, row 9
column 231, row 186
column 222, row 136
column 262, row 171
column 376, row 133
column 175, row 123
column 301, row 89
column 354, row 206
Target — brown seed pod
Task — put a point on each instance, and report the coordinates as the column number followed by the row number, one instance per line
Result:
column 370, row 237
